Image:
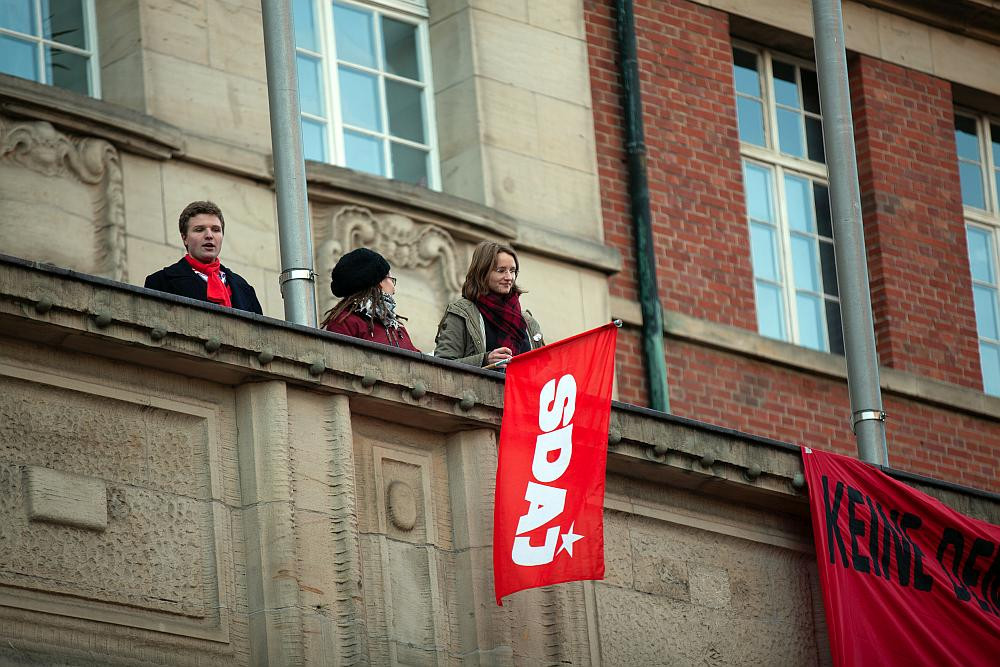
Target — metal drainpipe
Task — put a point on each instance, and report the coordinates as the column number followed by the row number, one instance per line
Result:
column 294, row 231
column 868, row 418
column 635, row 148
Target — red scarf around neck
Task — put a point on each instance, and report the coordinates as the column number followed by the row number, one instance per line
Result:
column 503, row 312
column 218, row 292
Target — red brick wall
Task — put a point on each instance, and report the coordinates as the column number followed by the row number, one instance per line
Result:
column 695, row 179
column 925, row 320
column 806, row 409
column 911, row 197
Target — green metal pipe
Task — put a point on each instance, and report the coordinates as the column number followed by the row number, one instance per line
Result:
column 653, row 355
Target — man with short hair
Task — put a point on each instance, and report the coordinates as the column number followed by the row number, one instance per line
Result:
column 199, row 275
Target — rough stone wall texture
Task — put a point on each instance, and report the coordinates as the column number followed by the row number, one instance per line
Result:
column 913, row 217
column 915, row 235
column 692, row 143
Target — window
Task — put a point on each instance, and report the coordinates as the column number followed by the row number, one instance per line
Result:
column 787, row 200
column 365, row 87
column 977, row 140
column 50, row 41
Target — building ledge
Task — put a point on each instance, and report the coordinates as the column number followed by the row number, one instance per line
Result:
column 86, row 315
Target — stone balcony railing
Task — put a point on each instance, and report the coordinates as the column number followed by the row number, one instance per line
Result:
column 182, row 484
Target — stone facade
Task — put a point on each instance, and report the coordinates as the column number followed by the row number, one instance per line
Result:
column 183, row 485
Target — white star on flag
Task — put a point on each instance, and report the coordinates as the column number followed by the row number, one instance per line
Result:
column 568, row 539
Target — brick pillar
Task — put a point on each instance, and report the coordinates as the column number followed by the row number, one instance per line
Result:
column 915, row 235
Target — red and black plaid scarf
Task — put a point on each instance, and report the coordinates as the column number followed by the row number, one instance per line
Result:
column 503, row 312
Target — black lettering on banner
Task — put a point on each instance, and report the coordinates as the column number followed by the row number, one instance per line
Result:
column 856, row 527
column 887, row 533
column 873, row 537
column 954, row 539
column 921, row 580
column 832, row 529
column 902, row 546
column 970, row 575
column 991, row 585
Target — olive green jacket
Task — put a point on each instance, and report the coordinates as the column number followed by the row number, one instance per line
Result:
column 461, row 334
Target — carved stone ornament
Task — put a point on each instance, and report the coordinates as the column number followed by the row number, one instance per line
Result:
column 38, row 147
column 401, row 505
column 404, row 243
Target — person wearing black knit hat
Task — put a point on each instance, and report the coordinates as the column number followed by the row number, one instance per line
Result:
column 366, row 308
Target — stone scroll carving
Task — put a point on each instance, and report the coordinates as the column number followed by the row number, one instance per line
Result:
column 70, row 190
column 406, row 244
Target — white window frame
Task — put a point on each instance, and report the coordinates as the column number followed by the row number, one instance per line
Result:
column 40, row 42
column 779, row 163
column 410, row 12
column 987, row 219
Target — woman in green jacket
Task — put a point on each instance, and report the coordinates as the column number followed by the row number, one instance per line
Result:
column 486, row 327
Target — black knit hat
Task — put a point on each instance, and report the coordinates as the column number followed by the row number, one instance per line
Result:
column 358, row 270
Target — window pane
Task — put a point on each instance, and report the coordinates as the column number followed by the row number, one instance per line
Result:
column 980, row 254
column 745, row 72
column 799, row 203
column 304, row 24
column 399, row 41
column 814, row 140
column 310, row 85
column 751, row 120
column 828, row 267
column 313, row 140
column 811, row 329
column 770, row 312
column 821, row 199
column 786, row 91
column 966, row 139
column 986, row 311
column 972, row 185
column 363, row 153
column 989, row 356
column 834, row 328
column 18, row 15
column 995, row 143
column 790, row 132
column 353, row 30
column 409, row 164
column 757, row 183
column 764, row 252
column 359, row 99
column 810, row 90
column 68, row 70
column 805, row 264
column 406, row 114
column 18, row 58
column 62, row 21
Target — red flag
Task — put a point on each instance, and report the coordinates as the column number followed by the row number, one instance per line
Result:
column 906, row 580
column 548, row 520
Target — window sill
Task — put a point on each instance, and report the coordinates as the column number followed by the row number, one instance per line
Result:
column 127, row 129
column 752, row 345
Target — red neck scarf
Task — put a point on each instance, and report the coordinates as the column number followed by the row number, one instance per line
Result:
column 503, row 312
column 218, row 292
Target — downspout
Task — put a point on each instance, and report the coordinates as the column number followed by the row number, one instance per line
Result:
column 654, row 360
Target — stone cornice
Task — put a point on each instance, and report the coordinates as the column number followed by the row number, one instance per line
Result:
column 54, row 307
column 127, row 129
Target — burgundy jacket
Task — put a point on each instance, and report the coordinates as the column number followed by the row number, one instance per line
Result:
column 359, row 326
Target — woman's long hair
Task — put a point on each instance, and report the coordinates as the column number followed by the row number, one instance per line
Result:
column 484, row 259
column 357, row 301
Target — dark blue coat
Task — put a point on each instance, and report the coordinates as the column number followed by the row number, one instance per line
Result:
column 181, row 279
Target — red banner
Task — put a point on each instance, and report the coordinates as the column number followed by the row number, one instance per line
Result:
column 548, row 521
column 906, row 580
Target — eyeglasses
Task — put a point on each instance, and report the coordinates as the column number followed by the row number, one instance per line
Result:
column 393, row 279
column 503, row 271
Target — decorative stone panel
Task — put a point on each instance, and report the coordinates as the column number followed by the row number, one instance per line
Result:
column 61, row 199
column 111, row 509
